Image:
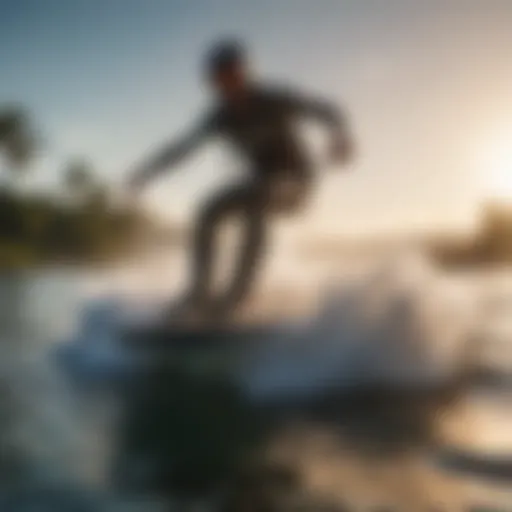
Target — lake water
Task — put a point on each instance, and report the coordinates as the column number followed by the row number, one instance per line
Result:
column 402, row 323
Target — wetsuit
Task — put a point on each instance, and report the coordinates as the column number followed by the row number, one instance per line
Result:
column 262, row 128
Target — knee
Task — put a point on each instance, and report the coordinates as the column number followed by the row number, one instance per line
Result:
column 289, row 200
column 213, row 212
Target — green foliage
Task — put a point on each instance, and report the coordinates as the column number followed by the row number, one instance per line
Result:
column 492, row 244
column 39, row 231
column 78, row 179
column 15, row 255
column 17, row 137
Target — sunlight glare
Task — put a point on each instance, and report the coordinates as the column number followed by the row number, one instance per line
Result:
column 499, row 170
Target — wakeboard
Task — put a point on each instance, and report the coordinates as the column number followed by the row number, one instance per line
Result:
column 176, row 326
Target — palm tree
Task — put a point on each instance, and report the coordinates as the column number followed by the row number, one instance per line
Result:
column 78, row 179
column 17, row 138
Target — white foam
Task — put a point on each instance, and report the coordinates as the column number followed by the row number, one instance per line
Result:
column 404, row 324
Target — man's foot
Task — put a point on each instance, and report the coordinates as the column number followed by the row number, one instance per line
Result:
column 191, row 311
column 188, row 310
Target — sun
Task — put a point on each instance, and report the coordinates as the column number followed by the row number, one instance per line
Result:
column 499, row 171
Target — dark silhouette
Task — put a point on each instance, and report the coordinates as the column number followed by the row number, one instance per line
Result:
column 259, row 121
column 36, row 229
column 490, row 245
column 78, row 179
column 17, row 137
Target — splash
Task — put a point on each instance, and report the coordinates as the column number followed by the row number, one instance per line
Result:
column 403, row 324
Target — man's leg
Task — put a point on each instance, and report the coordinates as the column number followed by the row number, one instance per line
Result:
column 252, row 212
column 210, row 219
column 259, row 204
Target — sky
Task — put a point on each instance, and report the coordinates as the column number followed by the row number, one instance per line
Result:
column 427, row 86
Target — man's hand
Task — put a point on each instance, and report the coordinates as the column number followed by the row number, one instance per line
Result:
column 342, row 150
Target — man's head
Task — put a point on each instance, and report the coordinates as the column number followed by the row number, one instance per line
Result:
column 226, row 69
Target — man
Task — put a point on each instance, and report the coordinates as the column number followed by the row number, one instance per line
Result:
column 259, row 121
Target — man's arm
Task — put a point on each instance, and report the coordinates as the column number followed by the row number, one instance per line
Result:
column 171, row 155
column 328, row 114
column 322, row 110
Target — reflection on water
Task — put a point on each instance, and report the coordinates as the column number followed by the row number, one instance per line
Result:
column 51, row 426
column 52, row 449
column 40, row 306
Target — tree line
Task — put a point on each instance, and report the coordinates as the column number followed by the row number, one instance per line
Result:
column 490, row 245
column 81, row 224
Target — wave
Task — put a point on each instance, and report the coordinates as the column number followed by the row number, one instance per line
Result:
column 404, row 323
